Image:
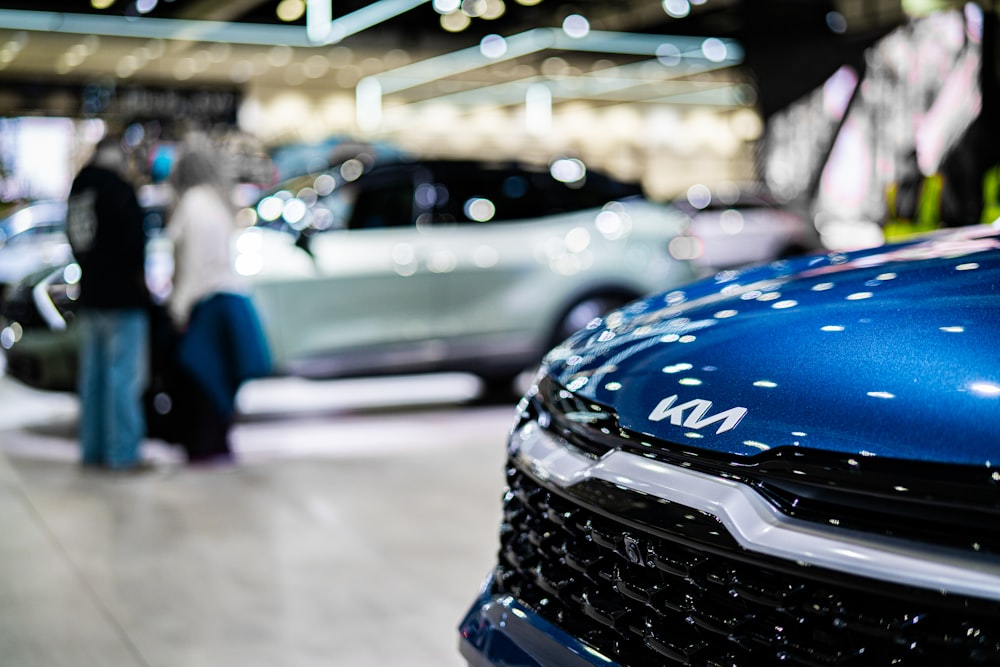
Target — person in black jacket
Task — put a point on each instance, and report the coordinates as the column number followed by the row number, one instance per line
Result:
column 105, row 227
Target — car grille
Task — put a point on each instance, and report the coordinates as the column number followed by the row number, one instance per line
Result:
column 680, row 590
column 929, row 502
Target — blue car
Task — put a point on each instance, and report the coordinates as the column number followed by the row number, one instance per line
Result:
column 795, row 464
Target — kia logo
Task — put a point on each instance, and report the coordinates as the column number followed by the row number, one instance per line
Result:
column 697, row 414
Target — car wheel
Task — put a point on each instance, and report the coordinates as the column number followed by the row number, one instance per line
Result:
column 503, row 387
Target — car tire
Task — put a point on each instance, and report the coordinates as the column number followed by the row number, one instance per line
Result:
column 503, row 387
column 586, row 309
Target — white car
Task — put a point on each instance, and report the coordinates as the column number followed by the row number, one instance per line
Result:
column 735, row 227
column 32, row 237
column 427, row 266
column 420, row 266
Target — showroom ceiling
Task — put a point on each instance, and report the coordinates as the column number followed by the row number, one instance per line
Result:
column 789, row 45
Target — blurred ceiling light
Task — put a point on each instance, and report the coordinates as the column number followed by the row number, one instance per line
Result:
column 294, row 212
column 485, row 256
column 280, row 55
column 101, row 4
column 455, row 22
column 156, row 48
column 668, row 55
column 568, row 170
column 474, row 8
column 340, row 56
column 290, row 10
column 714, row 49
column 746, row 124
column 348, row 76
column 446, row 6
column 611, row 225
column 319, row 18
column 494, row 10
column 241, row 71
column 554, row 66
column 538, row 108
column 577, row 239
column 731, row 222
column 270, row 208
column 127, row 66
column 325, row 184
column 396, row 58
column 699, row 196
column 73, row 58
column 145, row 6
column 90, row 44
column 493, row 46
column 677, row 9
column 368, row 98
column 184, row 69
column 316, row 66
column 219, row 52
column 294, row 74
column 202, row 60
column 576, row 26
column 480, row 209
column 18, row 41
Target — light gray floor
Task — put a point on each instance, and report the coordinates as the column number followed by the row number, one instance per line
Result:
column 350, row 534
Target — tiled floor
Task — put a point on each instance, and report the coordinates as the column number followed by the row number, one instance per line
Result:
column 350, row 534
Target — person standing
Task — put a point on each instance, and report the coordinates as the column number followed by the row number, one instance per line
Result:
column 104, row 223
column 220, row 340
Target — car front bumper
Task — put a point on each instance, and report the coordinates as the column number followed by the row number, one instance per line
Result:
column 498, row 631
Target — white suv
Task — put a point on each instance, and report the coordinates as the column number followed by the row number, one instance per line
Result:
column 420, row 266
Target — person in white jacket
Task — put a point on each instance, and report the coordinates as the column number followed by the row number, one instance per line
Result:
column 201, row 227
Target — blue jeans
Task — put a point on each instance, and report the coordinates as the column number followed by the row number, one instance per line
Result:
column 114, row 363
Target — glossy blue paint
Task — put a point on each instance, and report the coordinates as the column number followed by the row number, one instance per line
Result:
column 891, row 352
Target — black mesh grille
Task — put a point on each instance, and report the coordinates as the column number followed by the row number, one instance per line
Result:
column 646, row 596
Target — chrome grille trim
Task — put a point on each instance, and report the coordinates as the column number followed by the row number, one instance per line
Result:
column 755, row 524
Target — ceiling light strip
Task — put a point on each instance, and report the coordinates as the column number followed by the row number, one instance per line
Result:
column 539, row 39
column 640, row 44
column 367, row 17
column 611, row 83
column 201, row 31
column 464, row 60
column 153, row 28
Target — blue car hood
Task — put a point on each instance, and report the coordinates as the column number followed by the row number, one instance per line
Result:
column 890, row 352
